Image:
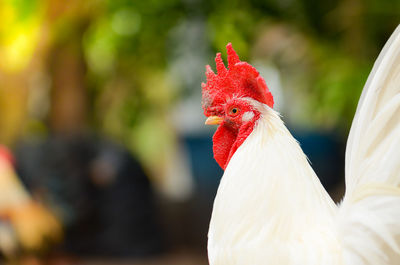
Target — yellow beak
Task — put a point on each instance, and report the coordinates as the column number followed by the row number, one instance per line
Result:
column 214, row 120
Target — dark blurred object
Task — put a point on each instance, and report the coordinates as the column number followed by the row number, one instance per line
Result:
column 186, row 222
column 98, row 189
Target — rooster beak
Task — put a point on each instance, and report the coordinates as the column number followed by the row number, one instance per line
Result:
column 214, row 120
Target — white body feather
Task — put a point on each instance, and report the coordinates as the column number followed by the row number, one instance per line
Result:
column 270, row 207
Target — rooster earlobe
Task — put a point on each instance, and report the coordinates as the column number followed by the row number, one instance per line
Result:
column 233, row 58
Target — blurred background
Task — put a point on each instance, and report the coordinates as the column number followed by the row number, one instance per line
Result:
column 110, row 161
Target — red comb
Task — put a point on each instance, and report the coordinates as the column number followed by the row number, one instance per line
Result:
column 239, row 80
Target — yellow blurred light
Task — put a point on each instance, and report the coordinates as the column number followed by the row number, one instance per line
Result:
column 7, row 14
column 18, row 39
column 18, row 52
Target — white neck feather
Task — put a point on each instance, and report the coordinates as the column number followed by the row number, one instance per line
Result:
column 268, row 191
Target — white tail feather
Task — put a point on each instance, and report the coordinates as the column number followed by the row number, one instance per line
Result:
column 369, row 216
column 377, row 118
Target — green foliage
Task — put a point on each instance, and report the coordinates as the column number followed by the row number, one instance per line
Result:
column 323, row 50
column 25, row 9
column 126, row 48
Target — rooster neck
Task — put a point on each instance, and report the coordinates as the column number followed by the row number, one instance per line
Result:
column 269, row 190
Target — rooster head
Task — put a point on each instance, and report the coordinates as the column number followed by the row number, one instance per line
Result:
column 228, row 98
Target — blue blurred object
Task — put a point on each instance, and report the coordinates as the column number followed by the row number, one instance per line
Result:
column 326, row 151
column 205, row 169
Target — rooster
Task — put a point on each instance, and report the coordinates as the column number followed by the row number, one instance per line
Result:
column 25, row 224
column 270, row 207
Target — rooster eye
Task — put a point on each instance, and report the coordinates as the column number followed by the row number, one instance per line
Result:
column 234, row 111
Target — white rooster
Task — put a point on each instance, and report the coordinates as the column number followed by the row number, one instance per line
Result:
column 270, row 207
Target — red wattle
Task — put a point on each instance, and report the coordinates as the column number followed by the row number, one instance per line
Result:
column 223, row 140
column 227, row 140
